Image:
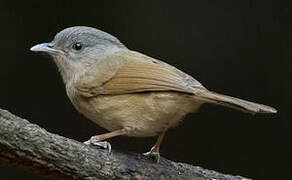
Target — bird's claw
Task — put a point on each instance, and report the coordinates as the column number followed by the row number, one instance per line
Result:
column 102, row 144
column 154, row 154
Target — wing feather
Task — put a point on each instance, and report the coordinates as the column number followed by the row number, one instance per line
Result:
column 131, row 72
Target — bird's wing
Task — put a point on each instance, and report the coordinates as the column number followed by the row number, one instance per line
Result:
column 131, row 72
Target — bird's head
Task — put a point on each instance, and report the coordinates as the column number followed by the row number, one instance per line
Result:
column 76, row 48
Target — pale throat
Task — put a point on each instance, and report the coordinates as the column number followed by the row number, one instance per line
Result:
column 71, row 71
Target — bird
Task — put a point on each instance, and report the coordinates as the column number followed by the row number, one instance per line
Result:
column 127, row 92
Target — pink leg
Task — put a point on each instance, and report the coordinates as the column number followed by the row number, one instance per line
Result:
column 98, row 139
column 155, row 149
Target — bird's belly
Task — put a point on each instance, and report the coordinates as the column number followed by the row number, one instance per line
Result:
column 141, row 114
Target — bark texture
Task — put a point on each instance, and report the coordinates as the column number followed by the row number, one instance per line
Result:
column 30, row 147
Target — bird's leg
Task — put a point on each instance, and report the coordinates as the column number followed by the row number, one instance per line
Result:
column 154, row 152
column 98, row 139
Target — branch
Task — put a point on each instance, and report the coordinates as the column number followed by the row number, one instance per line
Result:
column 30, row 147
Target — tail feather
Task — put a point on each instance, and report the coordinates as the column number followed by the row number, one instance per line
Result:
column 232, row 102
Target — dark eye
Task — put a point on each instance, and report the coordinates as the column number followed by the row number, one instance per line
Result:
column 77, row 46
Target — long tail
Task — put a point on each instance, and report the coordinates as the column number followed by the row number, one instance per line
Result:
column 232, row 102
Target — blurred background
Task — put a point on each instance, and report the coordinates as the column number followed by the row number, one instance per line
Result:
column 239, row 48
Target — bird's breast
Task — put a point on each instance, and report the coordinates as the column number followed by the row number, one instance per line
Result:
column 142, row 114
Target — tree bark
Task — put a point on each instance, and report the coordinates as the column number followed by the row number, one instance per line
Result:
column 30, row 147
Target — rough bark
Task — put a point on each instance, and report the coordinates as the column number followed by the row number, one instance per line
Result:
column 30, row 147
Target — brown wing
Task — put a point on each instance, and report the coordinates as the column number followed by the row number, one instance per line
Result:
column 129, row 72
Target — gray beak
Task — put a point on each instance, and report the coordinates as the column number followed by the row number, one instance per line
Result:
column 46, row 47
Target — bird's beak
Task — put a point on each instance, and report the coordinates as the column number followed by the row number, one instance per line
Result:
column 46, row 47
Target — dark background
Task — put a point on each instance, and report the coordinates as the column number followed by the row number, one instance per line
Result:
column 238, row 48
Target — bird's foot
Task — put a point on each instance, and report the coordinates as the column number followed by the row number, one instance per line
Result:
column 94, row 140
column 154, row 153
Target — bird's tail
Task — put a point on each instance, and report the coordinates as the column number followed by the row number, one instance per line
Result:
column 232, row 102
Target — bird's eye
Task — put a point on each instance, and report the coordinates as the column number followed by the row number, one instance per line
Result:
column 77, row 46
